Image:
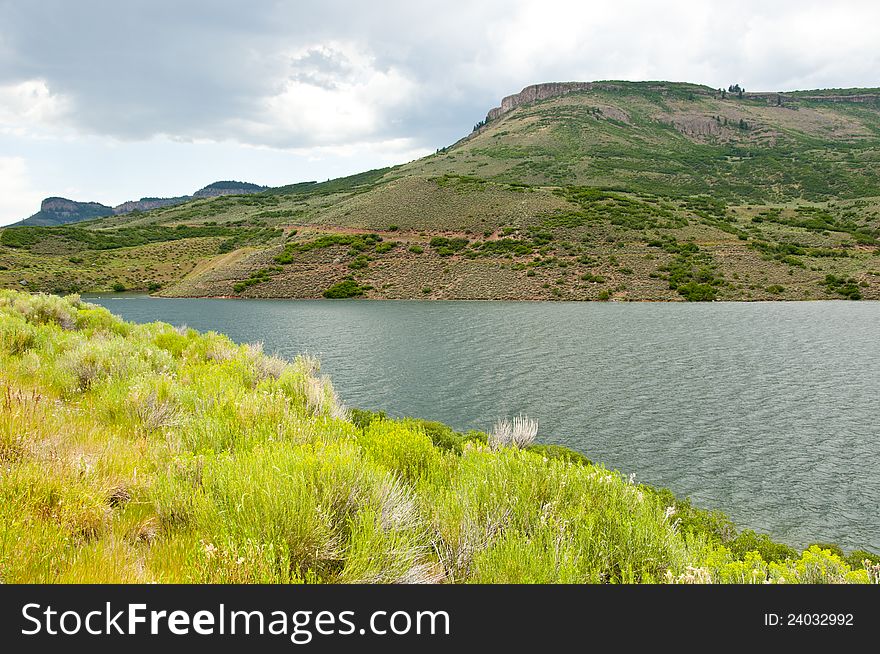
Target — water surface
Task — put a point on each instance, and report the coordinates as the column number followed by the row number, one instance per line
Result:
column 767, row 411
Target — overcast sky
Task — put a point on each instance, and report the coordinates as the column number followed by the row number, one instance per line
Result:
column 114, row 100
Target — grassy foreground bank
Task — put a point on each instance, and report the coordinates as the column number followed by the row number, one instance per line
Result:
column 141, row 453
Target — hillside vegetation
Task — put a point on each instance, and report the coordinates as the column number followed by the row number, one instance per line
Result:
column 619, row 191
column 146, row 453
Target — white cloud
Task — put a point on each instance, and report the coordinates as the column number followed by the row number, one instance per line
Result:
column 333, row 94
column 29, row 108
column 18, row 198
column 317, row 87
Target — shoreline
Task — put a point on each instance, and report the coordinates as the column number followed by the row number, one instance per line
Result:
column 87, row 294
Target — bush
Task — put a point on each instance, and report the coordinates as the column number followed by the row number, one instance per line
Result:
column 447, row 246
column 361, row 418
column 847, row 287
column 694, row 292
column 345, row 289
column 748, row 541
column 118, row 287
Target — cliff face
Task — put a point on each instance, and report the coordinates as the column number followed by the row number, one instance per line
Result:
column 536, row 92
column 145, row 204
column 784, row 98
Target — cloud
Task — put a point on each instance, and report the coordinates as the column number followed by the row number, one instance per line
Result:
column 334, row 94
column 321, row 79
column 324, row 73
column 29, row 108
column 18, row 198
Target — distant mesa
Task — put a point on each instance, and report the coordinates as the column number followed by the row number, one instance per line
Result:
column 228, row 188
column 57, row 211
column 61, row 211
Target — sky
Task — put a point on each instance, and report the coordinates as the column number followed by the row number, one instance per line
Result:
column 115, row 100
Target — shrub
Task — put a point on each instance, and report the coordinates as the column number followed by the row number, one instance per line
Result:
column 345, row 289
column 387, row 246
column 17, row 337
column 358, row 263
column 748, row 541
column 847, row 287
column 361, row 418
column 406, row 452
column 447, row 246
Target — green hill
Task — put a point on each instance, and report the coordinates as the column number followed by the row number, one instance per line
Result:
column 145, row 453
column 583, row 191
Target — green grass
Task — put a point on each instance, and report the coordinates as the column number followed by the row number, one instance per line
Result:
column 145, row 453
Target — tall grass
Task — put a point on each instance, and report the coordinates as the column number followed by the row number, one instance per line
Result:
column 140, row 453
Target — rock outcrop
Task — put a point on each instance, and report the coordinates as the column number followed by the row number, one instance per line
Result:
column 57, row 211
column 536, row 92
column 146, row 204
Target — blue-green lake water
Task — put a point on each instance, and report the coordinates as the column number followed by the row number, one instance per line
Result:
column 767, row 411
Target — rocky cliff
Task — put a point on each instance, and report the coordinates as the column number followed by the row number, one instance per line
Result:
column 146, row 204
column 57, row 211
column 534, row 93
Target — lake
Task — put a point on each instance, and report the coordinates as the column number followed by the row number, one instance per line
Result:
column 766, row 411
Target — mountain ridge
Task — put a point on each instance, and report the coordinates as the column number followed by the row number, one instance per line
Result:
column 614, row 190
column 59, row 211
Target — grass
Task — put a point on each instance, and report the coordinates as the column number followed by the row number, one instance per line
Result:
column 148, row 453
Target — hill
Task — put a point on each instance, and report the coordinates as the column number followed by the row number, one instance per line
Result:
column 61, row 211
column 581, row 191
column 188, row 459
